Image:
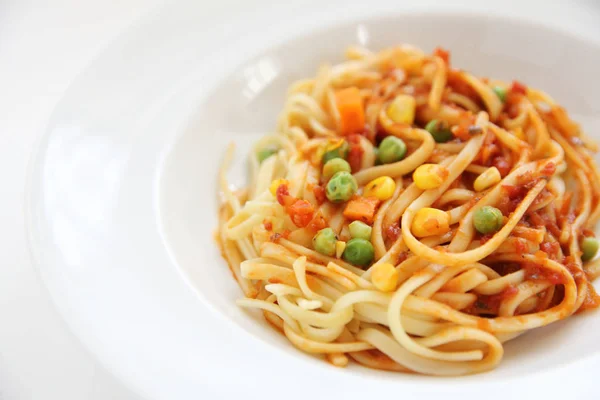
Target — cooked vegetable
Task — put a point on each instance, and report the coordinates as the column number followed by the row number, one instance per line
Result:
column 500, row 92
column 334, row 166
column 439, row 130
column 430, row 222
column 376, row 152
column 341, row 187
column 325, row 241
column 381, row 188
column 487, row 179
column 359, row 252
column 487, row 219
column 391, row 149
column 340, row 246
column 402, row 109
column 361, row 209
column 334, row 150
column 430, row 176
column 275, row 184
column 384, row 277
column 589, row 247
column 360, row 230
column 349, row 104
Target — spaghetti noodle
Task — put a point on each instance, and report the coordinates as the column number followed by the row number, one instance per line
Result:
column 413, row 217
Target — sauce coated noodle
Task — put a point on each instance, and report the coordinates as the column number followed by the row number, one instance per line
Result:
column 413, row 217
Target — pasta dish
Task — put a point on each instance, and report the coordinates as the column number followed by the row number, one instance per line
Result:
column 413, row 217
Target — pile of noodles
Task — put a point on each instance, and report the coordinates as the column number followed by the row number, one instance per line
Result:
column 460, row 295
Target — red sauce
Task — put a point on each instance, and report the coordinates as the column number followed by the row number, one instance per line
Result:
column 571, row 264
column 518, row 87
column 512, row 108
column 520, row 247
column 355, row 153
column 276, row 236
column 592, row 300
column 535, row 272
column 493, row 302
column 548, row 170
column 503, row 165
column 268, row 225
column 551, row 249
column 392, row 232
column 401, row 257
column 319, row 192
column 318, row 222
column 282, row 193
column 484, row 238
column 461, row 130
column 588, row 233
column 443, row 54
column 539, row 219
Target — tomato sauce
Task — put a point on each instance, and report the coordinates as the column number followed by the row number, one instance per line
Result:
column 492, row 303
column 443, row 54
column 518, row 87
column 392, row 232
column 268, row 225
column 355, row 153
column 592, row 300
column 535, row 272
column 319, row 192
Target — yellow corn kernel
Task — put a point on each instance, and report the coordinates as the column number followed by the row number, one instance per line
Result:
column 430, row 176
column 381, row 188
column 339, row 248
column 402, row 109
column 488, row 178
column 384, row 277
column 275, row 184
column 333, row 144
column 430, row 222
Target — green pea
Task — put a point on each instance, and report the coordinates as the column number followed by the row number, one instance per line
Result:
column 334, row 166
column 377, row 160
column 360, row 230
column 265, row 153
column 487, row 219
column 341, row 187
column 589, row 247
column 359, row 252
column 391, row 149
column 339, row 152
column 439, row 130
column 324, row 242
column 500, row 92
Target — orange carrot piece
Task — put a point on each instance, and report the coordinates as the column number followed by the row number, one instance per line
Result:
column 362, row 209
column 350, row 106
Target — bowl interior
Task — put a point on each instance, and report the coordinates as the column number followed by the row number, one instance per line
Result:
column 246, row 104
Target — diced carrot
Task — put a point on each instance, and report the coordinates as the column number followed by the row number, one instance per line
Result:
column 350, row 106
column 362, row 209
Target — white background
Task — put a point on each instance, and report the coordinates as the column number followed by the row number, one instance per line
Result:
column 43, row 45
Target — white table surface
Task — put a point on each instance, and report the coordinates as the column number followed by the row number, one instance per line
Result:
column 43, row 45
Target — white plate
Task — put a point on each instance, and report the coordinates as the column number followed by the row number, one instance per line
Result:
column 122, row 198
